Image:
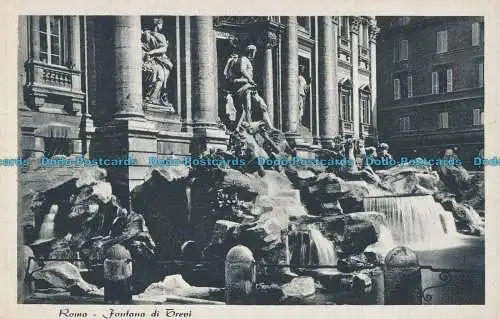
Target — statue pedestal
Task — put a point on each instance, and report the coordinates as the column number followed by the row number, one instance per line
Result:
column 165, row 117
column 121, row 139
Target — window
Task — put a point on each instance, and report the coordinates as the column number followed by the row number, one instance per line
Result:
column 404, row 124
column 366, row 112
column 344, row 27
column 56, row 146
column 304, row 23
column 404, row 20
column 363, row 32
column 442, row 80
column 442, row 41
column 443, row 120
column 477, row 33
column 480, row 74
column 400, row 52
column 477, row 117
column 345, row 101
column 449, row 80
column 397, row 90
column 410, row 86
column 403, row 55
column 51, row 40
column 435, row 83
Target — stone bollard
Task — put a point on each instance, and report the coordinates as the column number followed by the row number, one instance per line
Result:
column 240, row 271
column 375, row 296
column 25, row 265
column 117, row 275
column 403, row 279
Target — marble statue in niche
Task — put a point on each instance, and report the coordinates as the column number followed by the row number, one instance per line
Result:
column 303, row 91
column 156, row 65
column 239, row 75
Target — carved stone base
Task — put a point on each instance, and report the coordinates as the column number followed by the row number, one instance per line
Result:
column 165, row 117
column 158, row 108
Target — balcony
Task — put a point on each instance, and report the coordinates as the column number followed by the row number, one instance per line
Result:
column 347, row 127
column 344, row 44
column 55, row 82
column 366, row 129
column 344, row 52
column 364, row 52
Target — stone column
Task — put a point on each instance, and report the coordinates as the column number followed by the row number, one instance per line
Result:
column 75, row 43
column 76, row 62
column 374, row 30
column 204, row 91
column 355, row 21
column 126, row 46
column 203, row 71
column 35, row 38
column 290, row 76
column 186, row 113
column 268, row 83
column 328, row 109
column 128, row 134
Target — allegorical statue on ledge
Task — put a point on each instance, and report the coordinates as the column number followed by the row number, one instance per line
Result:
column 156, row 65
column 239, row 75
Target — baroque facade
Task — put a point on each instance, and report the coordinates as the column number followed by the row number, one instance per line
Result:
column 119, row 86
column 431, row 87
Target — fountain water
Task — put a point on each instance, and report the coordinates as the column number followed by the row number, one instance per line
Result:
column 417, row 222
column 384, row 243
column 324, row 247
column 449, row 225
column 46, row 232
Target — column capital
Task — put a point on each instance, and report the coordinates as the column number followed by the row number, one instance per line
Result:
column 270, row 40
column 335, row 20
column 355, row 23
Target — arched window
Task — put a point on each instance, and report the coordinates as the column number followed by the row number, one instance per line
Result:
column 365, row 104
column 345, row 96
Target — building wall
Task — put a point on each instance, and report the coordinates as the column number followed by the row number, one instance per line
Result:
column 51, row 97
column 423, row 108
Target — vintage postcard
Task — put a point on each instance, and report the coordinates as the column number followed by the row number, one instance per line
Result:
column 168, row 162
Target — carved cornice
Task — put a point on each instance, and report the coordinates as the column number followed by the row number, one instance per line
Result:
column 355, row 22
column 373, row 31
column 239, row 19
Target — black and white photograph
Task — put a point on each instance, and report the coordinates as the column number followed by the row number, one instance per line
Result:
column 250, row 160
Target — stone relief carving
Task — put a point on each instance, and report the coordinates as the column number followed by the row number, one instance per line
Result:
column 271, row 40
column 355, row 22
column 241, row 19
column 156, row 65
column 374, row 31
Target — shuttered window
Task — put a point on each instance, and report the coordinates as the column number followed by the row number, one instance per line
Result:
column 410, row 86
column 442, row 41
column 397, row 90
column 435, row 83
column 443, row 120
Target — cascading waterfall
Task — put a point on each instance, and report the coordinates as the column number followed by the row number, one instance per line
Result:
column 384, row 243
column 418, row 222
column 324, row 247
column 448, row 220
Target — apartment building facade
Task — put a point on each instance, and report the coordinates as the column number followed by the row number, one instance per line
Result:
column 431, row 85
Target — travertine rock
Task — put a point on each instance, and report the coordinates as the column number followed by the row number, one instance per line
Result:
column 176, row 286
column 62, row 274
